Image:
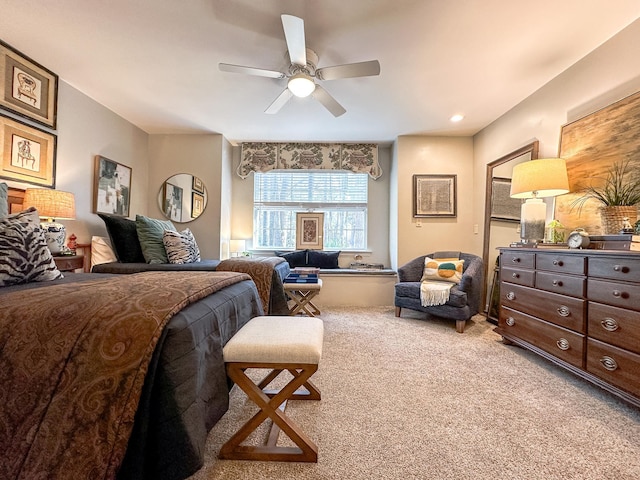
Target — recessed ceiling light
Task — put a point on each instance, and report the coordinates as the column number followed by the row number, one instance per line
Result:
column 457, row 117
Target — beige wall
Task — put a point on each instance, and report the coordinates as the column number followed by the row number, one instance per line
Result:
column 606, row 75
column 434, row 155
column 199, row 155
column 86, row 129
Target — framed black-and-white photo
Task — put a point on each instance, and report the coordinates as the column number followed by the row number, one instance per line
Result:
column 309, row 228
column 434, row 195
column 28, row 153
column 112, row 187
column 197, row 185
column 27, row 88
column 503, row 207
column 172, row 204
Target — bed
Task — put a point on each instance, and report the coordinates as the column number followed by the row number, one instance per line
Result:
column 64, row 413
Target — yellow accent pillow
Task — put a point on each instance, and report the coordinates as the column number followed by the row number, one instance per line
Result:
column 444, row 271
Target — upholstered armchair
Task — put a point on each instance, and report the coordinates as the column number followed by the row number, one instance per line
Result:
column 464, row 298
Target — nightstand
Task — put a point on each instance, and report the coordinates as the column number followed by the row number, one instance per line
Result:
column 69, row 263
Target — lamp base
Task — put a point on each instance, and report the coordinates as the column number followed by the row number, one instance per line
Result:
column 55, row 234
column 532, row 220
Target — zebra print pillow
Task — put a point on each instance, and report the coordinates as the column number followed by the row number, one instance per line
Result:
column 23, row 248
column 181, row 247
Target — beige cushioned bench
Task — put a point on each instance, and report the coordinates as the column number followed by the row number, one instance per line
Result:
column 276, row 343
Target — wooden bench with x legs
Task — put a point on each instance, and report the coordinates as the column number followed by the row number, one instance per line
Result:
column 278, row 344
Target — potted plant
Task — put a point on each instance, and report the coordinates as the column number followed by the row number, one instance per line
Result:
column 618, row 193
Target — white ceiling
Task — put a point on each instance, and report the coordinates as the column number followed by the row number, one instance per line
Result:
column 155, row 62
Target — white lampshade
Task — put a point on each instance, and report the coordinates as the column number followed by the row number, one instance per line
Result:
column 301, row 85
column 237, row 247
column 52, row 205
column 532, row 180
column 546, row 177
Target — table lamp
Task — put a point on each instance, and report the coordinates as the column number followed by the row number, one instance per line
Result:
column 52, row 205
column 237, row 247
column 533, row 180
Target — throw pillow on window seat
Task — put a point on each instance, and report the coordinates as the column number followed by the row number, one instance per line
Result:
column 295, row 259
column 319, row 259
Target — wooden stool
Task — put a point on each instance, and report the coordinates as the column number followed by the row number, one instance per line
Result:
column 302, row 294
column 276, row 343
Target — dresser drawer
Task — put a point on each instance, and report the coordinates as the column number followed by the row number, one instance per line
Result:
column 517, row 259
column 558, row 262
column 572, row 285
column 614, row 293
column 614, row 325
column 517, row 275
column 614, row 365
column 558, row 341
column 568, row 312
column 625, row 268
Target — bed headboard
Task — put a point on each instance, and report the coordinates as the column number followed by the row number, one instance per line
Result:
column 15, row 197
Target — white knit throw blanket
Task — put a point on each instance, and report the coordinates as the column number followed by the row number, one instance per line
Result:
column 434, row 293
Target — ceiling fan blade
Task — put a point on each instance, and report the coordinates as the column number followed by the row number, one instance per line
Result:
column 279, row 102
column 361, row 69
column 260, row 72
column 294, row 34
column 328, row 101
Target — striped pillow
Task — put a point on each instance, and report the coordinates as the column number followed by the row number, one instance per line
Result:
column 181, row 247
column 23, row 248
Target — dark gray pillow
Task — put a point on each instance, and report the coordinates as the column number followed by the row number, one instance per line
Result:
column 323, row 259
column 150, row 233
column 295, row 259
column 124, row 238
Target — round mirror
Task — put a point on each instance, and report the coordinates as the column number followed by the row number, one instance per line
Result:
column 182, row 198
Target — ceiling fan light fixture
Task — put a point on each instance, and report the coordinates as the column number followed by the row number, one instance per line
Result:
column 301, row 85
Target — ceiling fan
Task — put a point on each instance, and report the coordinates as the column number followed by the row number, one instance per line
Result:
column 303, row 71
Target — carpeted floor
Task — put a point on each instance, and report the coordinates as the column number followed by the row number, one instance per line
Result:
column 405, row 398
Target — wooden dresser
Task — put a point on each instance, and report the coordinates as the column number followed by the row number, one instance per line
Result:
column 578, row 308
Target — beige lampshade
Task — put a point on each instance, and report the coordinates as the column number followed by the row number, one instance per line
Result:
column 237, row 246
column 546, row 177
column 52, row 204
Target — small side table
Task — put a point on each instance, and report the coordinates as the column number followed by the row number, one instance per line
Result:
column 69, row 263
column 302, row 294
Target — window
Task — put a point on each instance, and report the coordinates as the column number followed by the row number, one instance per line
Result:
column 341, row 196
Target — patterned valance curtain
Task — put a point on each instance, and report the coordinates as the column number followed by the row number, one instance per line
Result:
column 355, row 157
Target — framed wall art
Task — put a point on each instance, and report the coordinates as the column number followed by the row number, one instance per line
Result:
column 197, row 185
column 434, row 195
column 172, row 204
column 27, row 88
column 309, row 230
column 197, row 204
column 112, row 187
column 28, row 153
column 503, row 207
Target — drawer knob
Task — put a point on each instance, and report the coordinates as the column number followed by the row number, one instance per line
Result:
column 609, row 324
column 557, row 283
column 515, row 259
column 559, row 263
column 515, row 275
column 608, row 363
column 620, row 268
column 563, row 344
column 616, row 293
column 511, row 296
column 563, row 311
column 510, row 321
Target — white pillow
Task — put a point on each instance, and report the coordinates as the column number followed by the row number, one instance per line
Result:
column 101, row 251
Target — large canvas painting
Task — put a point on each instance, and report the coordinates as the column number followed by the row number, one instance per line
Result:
column 590, row 146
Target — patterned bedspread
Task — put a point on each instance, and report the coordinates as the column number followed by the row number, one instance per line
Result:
column 264, row 274
column 72, row 366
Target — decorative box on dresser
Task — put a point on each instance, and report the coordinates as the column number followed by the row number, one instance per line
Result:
column 578, row 308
